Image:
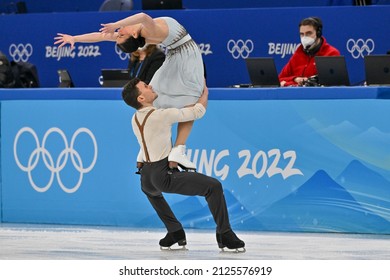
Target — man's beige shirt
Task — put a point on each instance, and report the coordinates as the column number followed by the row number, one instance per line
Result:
column 158, row 128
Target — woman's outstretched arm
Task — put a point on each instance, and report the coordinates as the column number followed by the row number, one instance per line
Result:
column 93, row 37
column 140, row 18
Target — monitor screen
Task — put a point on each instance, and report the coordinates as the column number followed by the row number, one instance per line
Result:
column 162, row 4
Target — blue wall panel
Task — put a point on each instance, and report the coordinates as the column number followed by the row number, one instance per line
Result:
column 226, row 38
column 47, row 6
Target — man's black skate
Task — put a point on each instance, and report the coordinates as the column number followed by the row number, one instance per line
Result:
column 172, row 238
column 230, row 241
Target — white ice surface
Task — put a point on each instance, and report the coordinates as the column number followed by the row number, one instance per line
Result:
column 61, row 242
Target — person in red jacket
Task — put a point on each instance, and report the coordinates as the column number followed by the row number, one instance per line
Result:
column 301, row 65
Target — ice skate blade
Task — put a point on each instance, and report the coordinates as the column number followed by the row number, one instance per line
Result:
column 171, row 248
column 234, row 251
column 186, row 169
column 181, row 167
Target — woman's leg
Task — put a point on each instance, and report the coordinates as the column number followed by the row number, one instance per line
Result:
column 178, row 154
column 183, row 131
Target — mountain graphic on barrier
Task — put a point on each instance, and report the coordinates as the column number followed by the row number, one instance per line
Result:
column 322, row 205
column 357, row 201
column 368, row 187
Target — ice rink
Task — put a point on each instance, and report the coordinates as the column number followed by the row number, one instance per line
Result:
column 60, row 242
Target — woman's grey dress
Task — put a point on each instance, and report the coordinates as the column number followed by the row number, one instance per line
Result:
column 180, row 79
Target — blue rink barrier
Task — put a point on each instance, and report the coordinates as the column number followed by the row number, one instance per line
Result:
column 297, row 159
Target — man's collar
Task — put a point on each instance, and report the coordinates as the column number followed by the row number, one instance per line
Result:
column 146, row 109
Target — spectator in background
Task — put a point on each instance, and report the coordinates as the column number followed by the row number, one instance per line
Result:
column 145, row 61
column 301, row 65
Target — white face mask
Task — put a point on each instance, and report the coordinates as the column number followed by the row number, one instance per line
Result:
column 307, row 41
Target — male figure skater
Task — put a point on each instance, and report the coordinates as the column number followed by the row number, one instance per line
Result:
column 152, row 127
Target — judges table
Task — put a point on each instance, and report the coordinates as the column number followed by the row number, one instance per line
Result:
column 289, row 159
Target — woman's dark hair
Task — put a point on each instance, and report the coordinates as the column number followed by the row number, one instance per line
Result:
column 131, row 44
column 149, row 49
column 130, row 93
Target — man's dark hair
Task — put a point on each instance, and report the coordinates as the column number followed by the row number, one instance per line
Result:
column 316, row 22
column 130, row 93
column 132, row 44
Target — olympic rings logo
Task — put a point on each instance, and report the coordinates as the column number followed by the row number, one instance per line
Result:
column 20, row 52
column 240, row 48
column 360, row 48
column 122, row 55
column 55, row 166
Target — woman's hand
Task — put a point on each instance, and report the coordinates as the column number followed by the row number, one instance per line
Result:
column 109, row 27
column 64, row 39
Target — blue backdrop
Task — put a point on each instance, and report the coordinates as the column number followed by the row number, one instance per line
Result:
column 72, row 160
column 47, row 6
column 225, row 37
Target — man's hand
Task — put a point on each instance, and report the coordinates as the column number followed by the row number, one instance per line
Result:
column 204, row 97
column 300, row 80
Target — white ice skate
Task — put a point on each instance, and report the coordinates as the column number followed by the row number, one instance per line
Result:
column 178, row 155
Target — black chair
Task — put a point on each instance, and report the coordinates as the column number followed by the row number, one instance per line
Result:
column 116, row 5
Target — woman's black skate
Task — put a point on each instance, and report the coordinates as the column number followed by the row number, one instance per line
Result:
column 230, row 241
column 172, row 238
